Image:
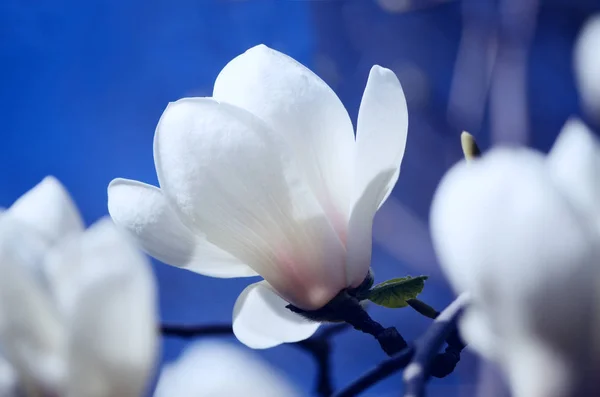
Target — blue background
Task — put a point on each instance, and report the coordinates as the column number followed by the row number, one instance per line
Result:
column 83, row 84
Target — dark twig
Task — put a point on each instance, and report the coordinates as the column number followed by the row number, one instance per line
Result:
column 184, row 331
column 318, row 346
column 444, row 363
column 389, row 339
column 426, row 348
column 380, row 372
column 346, row 307
column 422, row 355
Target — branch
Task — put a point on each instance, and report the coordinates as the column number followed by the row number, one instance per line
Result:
column 346, row 307
column 318, row 346
column 186, row 332
column 422, row 354
column 444, row 363
column 444, row 327
column 380, row 372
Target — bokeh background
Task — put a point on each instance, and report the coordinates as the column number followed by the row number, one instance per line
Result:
column 83, row 84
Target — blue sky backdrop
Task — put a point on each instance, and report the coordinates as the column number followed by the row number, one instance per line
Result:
column 83, row 84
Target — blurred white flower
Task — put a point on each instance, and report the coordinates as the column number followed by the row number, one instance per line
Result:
column 266, row 178
column 521, row 231
column 587, row 66
column 217, row 369
column 77, row 308
column 8, row 379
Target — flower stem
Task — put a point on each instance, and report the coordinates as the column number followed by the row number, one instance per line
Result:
column 423, row 308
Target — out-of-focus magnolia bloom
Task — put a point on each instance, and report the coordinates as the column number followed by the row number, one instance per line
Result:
column 217, row 369
column 77, row 308
column 521, row 232
column 587, row 66
column 8, row 379
column 266, row 178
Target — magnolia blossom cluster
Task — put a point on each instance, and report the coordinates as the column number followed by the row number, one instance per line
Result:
column 267, row 178
column 77, row 307
column 78, row 313
column 521, row 232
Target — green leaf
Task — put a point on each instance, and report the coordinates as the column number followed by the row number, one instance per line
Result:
column 395, row 292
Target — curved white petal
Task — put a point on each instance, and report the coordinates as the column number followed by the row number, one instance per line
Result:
column 298, row 105
column 261, row 319
column 586, row 64
column 382, row 130
column 31, row 333
column 360, row 228
column 144, row 211
column 574, row 163
column 232, row 179
column 48, row 209
column 205, row 370
column 112, row 335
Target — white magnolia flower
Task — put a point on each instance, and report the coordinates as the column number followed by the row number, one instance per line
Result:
column 521, row 232
column 587, row 64
column 77, row 308
column 225, row 370
column 267, row 178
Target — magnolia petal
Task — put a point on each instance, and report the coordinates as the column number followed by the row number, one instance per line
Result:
column 382, row 130
column 8, row 379
column 216, row 361
column 113, row 340
column 49, row 210
column 261, row 319
column 450, row 209
column 360, row 228
column 574, row 163
column 297, row 104
column 31, row 333
column 144, row 211
column 464, row 205
column 491, row 217
column 586, row 64
column 533, row 370
column 478, row 334
column 232, row 179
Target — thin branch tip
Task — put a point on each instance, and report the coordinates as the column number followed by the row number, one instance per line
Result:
column 469, row 146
